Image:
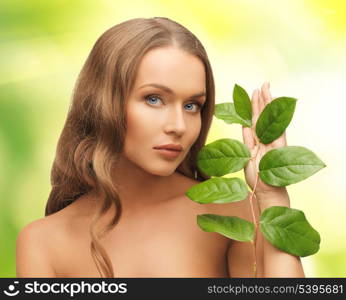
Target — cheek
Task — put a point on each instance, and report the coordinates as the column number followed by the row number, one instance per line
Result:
column 198, row 125
column 195, row 130
column 139, row 127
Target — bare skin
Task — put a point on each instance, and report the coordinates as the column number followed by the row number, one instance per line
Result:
column 157, row 235
column 161, row 240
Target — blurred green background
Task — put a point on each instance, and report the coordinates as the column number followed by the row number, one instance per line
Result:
column 298, row 46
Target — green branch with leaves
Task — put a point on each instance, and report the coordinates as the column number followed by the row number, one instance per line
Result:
column 285, row 228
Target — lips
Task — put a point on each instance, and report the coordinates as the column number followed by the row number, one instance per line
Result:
column 172, row 147
column 167, row 153
column 168, row 149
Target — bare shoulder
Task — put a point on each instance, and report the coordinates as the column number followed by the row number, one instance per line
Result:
column 47, row 225
column 39, row 241
column 33, row 249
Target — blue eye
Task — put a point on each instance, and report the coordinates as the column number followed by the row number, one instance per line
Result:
column 148, row 98
column 199, row 106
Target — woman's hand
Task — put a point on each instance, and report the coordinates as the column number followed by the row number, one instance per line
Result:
column 260, row 98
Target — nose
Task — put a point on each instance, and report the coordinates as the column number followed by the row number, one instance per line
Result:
column 175, row 122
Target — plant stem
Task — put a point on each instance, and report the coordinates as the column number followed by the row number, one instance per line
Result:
column 251, row 201
column 255, row 223
column 259, row 208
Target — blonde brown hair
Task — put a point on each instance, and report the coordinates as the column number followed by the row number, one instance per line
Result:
column 93, row 135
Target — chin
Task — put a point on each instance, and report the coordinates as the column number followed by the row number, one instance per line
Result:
column 163, row 172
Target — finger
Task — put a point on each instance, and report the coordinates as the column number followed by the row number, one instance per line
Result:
column 266, row 93
column 280, row 141
column 285, row 139
column 255, row 108
column 248, row 138
column 261, row 103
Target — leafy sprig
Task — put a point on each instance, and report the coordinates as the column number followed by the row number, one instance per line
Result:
column 285, row 228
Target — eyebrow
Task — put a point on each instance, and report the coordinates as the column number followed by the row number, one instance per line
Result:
column 168, row 90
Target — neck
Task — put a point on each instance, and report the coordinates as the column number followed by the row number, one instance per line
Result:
column 139, row 189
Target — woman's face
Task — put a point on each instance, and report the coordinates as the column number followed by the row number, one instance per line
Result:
column 169, row 112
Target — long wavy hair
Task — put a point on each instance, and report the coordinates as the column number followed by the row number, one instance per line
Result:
column 92, row 138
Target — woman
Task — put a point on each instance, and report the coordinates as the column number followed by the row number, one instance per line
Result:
column 117, row 206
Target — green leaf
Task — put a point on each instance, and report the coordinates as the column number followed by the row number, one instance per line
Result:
column 286, row 165
column 242, row 103
column 218, row 190
column 287, row 229
column 232, row 227
column 222, row 157
column 274, row 119
column 227, row 113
